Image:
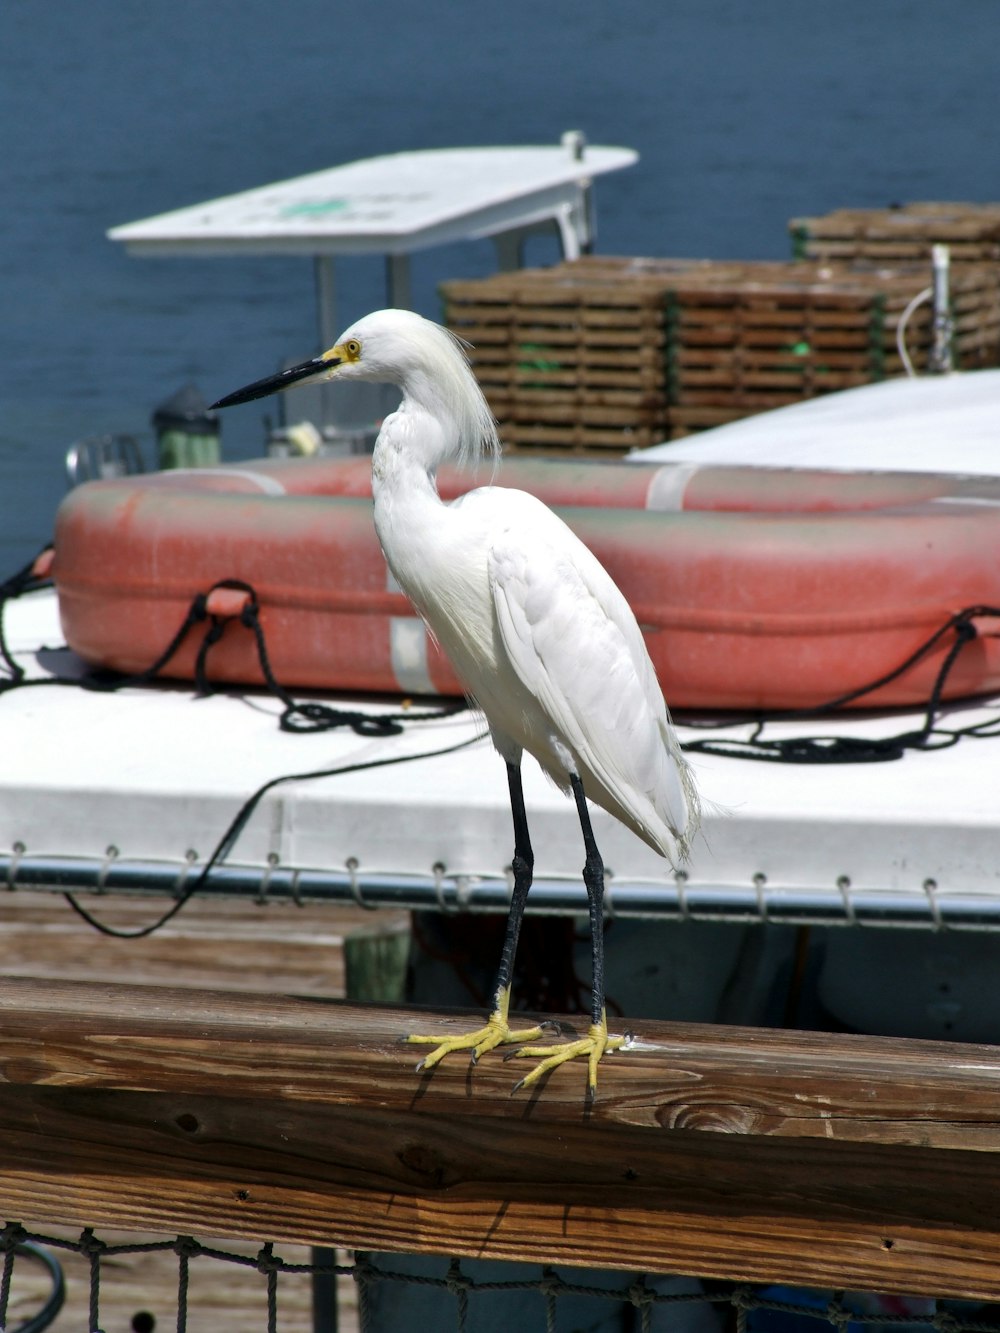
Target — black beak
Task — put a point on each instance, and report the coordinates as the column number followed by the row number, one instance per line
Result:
column 273, row 383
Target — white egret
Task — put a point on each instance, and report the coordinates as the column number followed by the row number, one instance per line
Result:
column 537, row 631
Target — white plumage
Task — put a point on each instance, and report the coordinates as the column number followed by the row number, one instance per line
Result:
column 534, row 626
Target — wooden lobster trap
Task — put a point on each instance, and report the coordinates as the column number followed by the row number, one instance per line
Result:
column 570, row 358
column 902, row 235
column 602, row 355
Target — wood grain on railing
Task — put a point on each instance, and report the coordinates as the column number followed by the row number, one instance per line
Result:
column 835, row 1161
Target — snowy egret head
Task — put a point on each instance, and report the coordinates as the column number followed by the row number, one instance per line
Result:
column 398, row 347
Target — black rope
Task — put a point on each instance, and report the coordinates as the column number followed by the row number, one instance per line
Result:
column 95, row 680
column 864, row 750
column 232, row 833
column 802, row 750
column 301, row 717
column 27, row 579
column 309, row 716
column 15, row 1243
column 93, row 1247
column 643, row 1293
column 298, row 717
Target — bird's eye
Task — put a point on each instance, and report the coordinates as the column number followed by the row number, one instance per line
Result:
column 353, row 348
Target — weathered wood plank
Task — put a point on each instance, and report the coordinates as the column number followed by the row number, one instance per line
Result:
column 724, row 1152
column 158, row 1039
column 215, row 942
column 435, row 1185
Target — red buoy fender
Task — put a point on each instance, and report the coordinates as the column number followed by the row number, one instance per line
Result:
column 755, row 588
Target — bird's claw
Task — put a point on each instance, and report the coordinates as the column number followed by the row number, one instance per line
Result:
column 592, row 1047
column 496, row 1032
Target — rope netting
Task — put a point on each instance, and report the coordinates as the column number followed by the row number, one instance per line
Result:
column 401, row 1293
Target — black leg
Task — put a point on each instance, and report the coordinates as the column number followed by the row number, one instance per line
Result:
column 593, row 1046
column 593, row 878
column 522, row 865
column 497, row 1029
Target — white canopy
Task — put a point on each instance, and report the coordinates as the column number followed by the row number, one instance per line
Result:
column 394, row 204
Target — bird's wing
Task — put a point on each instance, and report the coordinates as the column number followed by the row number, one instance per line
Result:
column 573, row 642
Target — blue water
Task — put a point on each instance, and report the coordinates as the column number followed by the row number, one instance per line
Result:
column 745, row 113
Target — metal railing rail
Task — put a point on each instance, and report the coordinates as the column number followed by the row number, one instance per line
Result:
column 678, row 898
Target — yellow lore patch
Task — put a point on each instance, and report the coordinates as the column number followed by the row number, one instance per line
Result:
column 348, row 351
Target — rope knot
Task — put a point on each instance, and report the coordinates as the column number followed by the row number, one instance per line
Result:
column 456, row 1281
column 90, row 1244
column 639, row 1294
column 186, row 1247
column 305, row 717
column 838, row 1314
column 551, row 1284
column 966, row 629
column 12, row 1235
column 266, row 1260
column 743, row 1299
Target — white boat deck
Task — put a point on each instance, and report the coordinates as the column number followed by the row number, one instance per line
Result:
column 158, row 774
column 940, row 423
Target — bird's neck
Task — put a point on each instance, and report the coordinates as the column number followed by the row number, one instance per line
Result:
column 410, row 518
column 411, row 445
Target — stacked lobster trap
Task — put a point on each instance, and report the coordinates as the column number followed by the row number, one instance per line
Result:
column 601, row 355
column 900, row 235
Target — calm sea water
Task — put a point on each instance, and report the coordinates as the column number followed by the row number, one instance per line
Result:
column 745, row 114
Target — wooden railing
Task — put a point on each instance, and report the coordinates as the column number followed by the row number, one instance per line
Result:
column 725, row 1152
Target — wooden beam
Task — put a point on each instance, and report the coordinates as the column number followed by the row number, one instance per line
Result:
column 722, row 1152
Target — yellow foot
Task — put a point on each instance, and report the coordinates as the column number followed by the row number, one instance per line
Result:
column 497, row 1032
column 592, row 1047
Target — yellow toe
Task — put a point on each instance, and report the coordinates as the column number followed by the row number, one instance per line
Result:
column 496, row 1032
column 592, row 1047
